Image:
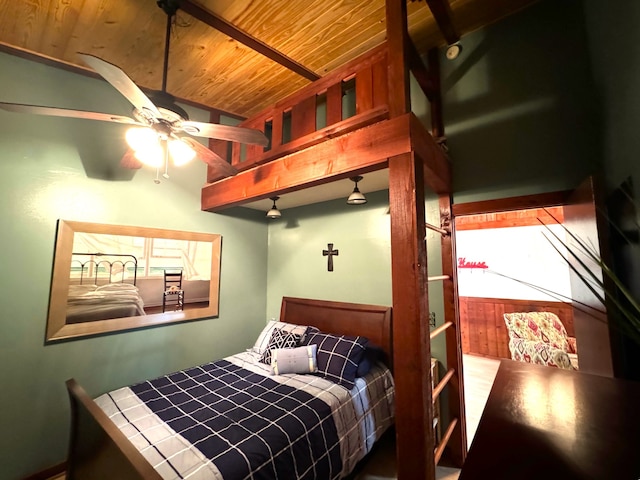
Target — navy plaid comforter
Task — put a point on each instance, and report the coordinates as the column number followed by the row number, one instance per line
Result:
column 245, row 422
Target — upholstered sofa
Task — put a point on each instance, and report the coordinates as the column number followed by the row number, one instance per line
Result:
column 540, row 337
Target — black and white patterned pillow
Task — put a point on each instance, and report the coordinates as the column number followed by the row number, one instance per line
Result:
column 280, row 339
column 263, row 339
column 337, row 356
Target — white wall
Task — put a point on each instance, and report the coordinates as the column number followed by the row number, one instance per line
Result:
column 522, row 254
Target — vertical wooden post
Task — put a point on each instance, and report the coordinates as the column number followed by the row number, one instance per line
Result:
column 412, row 348
column 458, row 441
column 398, row 73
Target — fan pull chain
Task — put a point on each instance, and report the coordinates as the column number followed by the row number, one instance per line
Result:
column 166, row 159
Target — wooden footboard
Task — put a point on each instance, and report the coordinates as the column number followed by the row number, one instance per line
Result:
column 98, row 450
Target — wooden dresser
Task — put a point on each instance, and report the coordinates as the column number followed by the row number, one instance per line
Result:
column 544, row 422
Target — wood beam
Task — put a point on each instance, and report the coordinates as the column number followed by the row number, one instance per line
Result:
column 360, row 151
column 437, row 169
column 441, row 11
column 512, row 203
column 223, row 26
column 421, row 73
column 398, row 66
column 411, row 346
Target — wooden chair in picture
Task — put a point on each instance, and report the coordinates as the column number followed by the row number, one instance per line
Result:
column 173, row 295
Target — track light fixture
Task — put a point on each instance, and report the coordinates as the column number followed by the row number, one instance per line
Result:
column 356, row 198
column 274, row 212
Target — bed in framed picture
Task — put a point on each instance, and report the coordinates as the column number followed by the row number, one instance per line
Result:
column 307, row 401
column 103, row 286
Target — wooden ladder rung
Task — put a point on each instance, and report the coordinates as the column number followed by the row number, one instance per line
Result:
column 442, row 383
column 445, row 439
column 438, row 277
column 440, row 329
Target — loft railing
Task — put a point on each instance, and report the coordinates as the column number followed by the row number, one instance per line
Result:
column 349, row 98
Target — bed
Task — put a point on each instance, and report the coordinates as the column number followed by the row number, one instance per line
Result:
column 100, row 288
column 248, row 422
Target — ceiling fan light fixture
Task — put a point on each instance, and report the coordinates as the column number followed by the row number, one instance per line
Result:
column 139, row 138
column 151, row 154
column 181, row 153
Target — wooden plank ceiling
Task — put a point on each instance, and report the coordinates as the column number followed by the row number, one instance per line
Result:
column 210, row 68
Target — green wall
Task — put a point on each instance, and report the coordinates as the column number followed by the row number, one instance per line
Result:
column 520, row 106
column 614, row 44
column 362, row 269
column 54, row 169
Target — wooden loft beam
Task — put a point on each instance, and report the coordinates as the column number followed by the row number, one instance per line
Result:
column 363, row 150
column 360, row 151
column 421, row 72
column 437, row 120
column 220, row 24
column 441, row 11
column 437, row 169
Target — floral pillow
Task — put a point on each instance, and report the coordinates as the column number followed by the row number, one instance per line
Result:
column 538, row 326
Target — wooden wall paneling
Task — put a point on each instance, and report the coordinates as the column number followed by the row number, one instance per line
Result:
column 482, row 322
column 502, row 336
column 492, row 331
column 303, row 118
column 464, row 325
column 412, row 349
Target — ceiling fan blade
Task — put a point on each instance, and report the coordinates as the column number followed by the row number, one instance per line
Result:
column 225, row 132
column 121, row 82
column 130, row 161
column 65, row 112
column 211, row 158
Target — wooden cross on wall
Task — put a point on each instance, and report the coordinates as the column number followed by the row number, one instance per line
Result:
column 330, row 252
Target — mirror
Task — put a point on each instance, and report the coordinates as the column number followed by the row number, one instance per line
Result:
column 108, row 278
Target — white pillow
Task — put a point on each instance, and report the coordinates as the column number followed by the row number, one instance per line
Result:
column 294, row 360
column 263, row 339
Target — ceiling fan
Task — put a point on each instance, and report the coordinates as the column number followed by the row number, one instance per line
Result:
column 161, row 129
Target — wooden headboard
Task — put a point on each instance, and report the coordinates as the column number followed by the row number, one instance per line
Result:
column 371, row 321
